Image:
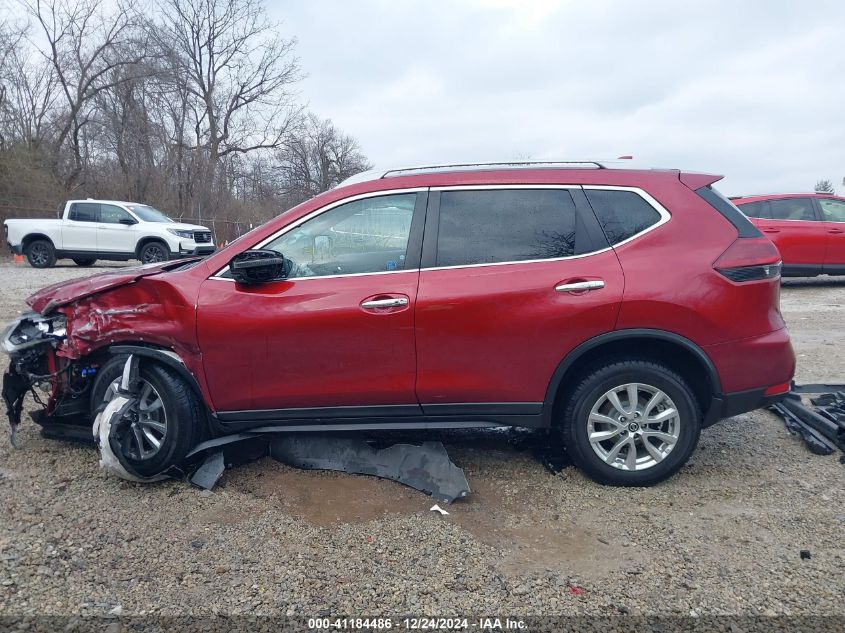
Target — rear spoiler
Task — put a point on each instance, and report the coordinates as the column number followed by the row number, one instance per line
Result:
column 694, row 180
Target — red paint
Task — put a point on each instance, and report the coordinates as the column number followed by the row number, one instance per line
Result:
column 471, row 334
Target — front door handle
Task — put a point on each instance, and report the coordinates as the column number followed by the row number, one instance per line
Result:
column 396, row 302
column 576, row 286
column 836, row 231
column 771, row 230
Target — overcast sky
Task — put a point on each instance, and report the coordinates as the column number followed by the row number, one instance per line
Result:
column 751, row 90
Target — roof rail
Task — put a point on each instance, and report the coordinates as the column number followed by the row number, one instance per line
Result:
column 573, row 164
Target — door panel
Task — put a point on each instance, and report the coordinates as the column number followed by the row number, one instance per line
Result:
column 492, row 325
column 833, row 212
column 308, row 342
column 497, row 333
column 339, row 332
column 79, row 231
column 795, row 230
column 112, row 236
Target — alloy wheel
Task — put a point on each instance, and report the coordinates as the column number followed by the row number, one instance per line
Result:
column 38, row 255
column 153, row 254
column 148, row 421
column 633, row 426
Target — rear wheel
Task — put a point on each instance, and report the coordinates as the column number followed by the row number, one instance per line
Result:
column 631, row 423
column 168, row 422
column 41, row 254
column 84, row 263
column 153, row 252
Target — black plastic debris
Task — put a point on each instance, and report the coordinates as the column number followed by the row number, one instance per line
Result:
column 805, row 554
column 822, row 425
column 426, row 467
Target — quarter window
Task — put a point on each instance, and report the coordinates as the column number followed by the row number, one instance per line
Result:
column 792, row 209
column 622, row 214
column 485, row 227
column 85, row 212
column 833, row 210
column 362, row 236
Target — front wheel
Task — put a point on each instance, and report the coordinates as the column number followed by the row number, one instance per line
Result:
column 631, row 423
column 168, row 418
column 153, row 252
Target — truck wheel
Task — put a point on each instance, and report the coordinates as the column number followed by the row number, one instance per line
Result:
column 84, row 263
column 170, row 417
column 41, row 254
column 153, row 252
column 631, row 423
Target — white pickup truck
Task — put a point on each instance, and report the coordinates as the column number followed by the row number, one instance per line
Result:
column 106, row 229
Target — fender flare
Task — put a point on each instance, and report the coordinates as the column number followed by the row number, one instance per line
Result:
column 618, row 335
column 166, row 357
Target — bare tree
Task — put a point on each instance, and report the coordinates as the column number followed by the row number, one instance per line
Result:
column 317, row 159
column 237, row 73
column 824, row 186
column 85, row 44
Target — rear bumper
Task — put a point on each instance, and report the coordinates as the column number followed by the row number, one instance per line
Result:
column 747, row 370
column 731, row 404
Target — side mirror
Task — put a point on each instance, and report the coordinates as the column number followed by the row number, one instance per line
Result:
column 258, row 266
column 127, row 221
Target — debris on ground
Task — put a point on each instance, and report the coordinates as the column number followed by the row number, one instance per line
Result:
column 822, row 424
column 437, row 508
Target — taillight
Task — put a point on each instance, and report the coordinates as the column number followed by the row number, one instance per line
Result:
column 749, row 259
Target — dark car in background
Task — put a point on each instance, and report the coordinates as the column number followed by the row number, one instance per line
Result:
column 807, row 228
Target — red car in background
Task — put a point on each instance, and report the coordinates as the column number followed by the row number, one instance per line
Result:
column 807, row 228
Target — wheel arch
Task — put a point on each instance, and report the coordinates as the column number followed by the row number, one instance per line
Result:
column 674, row 350
column 29, row 238
column 151, row 238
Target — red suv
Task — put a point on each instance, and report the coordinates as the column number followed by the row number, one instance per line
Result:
column 623, row 309
column 807, row 228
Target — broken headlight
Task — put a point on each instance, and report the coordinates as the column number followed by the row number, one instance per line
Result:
column 32, row 329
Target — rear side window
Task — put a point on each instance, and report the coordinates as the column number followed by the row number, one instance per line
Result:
column 85, row 212
column 792, row 209
column 833, row 210
column 753, row 209
column 485, row 227
column 622, row 214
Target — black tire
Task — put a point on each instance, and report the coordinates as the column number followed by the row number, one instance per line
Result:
column 84, row 263
column 591, row 391
column 152, row 252
column 185, row 415
column 41, row 254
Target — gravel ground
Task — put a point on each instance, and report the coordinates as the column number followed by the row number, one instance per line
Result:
column 722, row 537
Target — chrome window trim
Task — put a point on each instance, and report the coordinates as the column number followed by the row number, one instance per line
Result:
column 665, row 216
column 315, row 213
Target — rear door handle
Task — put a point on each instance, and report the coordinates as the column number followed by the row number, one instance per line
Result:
column 836, row 231
column 396, row 302
column 771, row 230
column 593, row 284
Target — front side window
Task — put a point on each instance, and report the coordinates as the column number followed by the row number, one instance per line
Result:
column 110, row 214
column 833, row 210
column 622, row 214
column 85, row 212
column 148, row 213
column 484, row 227
column 792, row 209
column 362, row 236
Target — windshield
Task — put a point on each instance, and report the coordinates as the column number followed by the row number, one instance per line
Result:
column 148, row 213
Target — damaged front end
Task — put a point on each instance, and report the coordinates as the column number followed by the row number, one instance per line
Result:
column 31, row 342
